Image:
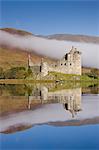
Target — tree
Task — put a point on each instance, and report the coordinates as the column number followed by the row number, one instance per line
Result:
column 95, row 72
column 16, row 73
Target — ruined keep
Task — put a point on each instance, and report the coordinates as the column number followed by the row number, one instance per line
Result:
column 69, row 64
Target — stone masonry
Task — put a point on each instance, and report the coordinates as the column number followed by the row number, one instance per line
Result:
column 69, row 64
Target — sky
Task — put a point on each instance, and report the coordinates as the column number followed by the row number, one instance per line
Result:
column 51, row 17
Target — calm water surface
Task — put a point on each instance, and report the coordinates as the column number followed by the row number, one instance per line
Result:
column 49, row 116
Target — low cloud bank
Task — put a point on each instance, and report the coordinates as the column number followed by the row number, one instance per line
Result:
column 52, row 48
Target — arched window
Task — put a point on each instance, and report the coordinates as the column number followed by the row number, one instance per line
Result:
column 70, row 64
column 61, row 64
column 65, row 64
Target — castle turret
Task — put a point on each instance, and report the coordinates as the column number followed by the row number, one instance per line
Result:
column 77, row 61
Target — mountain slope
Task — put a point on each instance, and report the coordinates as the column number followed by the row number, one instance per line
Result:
column 14, row 57
column 75, row 38
column 16, row 31
column 61, row 37
column 15, row 45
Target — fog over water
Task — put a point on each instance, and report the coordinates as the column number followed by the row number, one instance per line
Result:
column 53, row 48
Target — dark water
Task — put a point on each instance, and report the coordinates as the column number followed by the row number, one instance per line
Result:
column 49, row 116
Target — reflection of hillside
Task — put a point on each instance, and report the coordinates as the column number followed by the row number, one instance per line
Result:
column 14, row 98
column 76, row 122
column 13, row 104
column 13, row 90
column 17, row 128
column 41, row 95
column 19, row 116
column 92, row 89
column 22, row 127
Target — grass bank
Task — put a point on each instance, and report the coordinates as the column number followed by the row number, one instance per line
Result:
column 53, row 77
column 23, row 81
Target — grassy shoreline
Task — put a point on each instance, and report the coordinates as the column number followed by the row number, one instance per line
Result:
column 52, row 77
column 23, row 81
column 26, row 81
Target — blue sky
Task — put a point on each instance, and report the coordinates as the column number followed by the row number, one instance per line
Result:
column 51, row 17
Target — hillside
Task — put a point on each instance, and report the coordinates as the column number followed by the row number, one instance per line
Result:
column 15, row 57
column 75, row 38
column 12, row 56
column 16, row 31
column 61, row 37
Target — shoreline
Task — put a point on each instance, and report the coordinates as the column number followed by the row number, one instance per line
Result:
column 26, row 81
column 23, row 81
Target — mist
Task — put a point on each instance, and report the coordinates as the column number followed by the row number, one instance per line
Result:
column 52, row 48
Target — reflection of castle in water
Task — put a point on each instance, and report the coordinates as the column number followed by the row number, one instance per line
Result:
column 70, row 98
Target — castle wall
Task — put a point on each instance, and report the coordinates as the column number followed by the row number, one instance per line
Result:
column 36, row 69
column 67, row 67
column 44, row 68
column 70, row 64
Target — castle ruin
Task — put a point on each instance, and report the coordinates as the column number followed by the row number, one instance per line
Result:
column 69, row 64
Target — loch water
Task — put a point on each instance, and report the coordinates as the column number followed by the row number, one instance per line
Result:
column 49, row 116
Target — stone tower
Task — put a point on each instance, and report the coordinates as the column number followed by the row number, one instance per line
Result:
column 30, row 63
column 70, row 63
column 44, row 68
column 74, row 61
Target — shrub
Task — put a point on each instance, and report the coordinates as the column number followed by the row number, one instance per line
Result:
column 16, row 73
